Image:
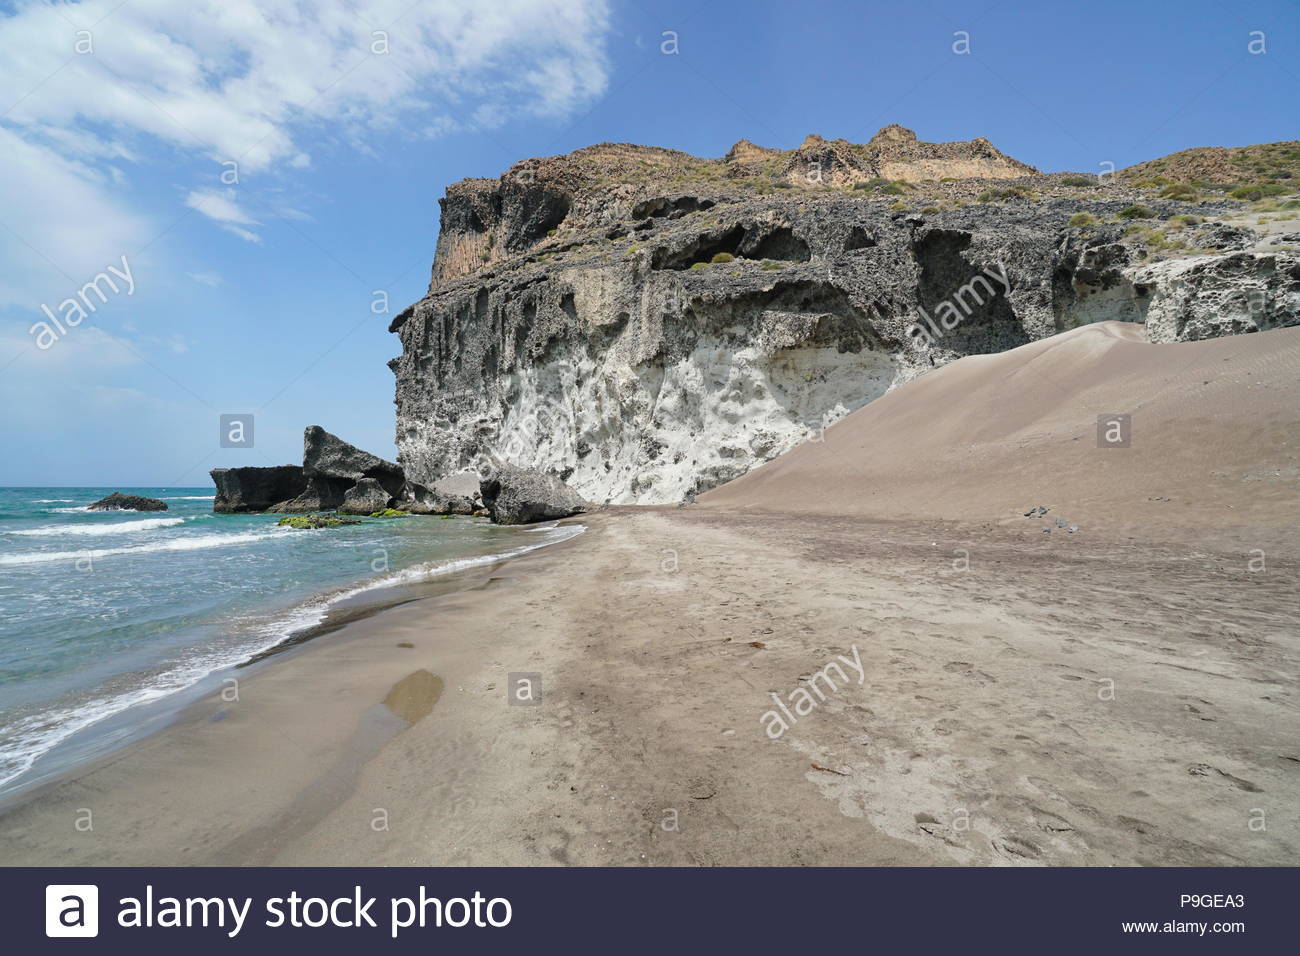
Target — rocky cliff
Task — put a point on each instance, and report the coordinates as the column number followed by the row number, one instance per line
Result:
column 646, row 324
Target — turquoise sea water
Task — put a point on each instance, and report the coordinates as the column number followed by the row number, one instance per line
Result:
column 104, row 613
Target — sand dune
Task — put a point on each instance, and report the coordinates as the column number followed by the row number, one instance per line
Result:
column 1215, row 429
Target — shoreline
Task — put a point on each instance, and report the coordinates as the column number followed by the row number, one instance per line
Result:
column 391, row 742
column 187, row 724
column 308, row 618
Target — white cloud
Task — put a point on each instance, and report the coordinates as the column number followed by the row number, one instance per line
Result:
column 236, row 80
column 206, row 278
column 246, row 234
column 221, row 208
column 218, row 206
column 60, row 222
column 245, row 81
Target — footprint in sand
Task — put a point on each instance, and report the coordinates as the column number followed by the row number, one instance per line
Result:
column 1205, row 770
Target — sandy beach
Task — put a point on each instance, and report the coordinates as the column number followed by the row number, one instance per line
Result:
column 792, row 671
column 979, row 735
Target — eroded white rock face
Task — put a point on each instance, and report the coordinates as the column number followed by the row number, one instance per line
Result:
column 645, row 327
column 1204, row 297
column 655, row 435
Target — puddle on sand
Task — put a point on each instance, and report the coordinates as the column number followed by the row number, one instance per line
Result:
column 409, row 701
column 413, row 697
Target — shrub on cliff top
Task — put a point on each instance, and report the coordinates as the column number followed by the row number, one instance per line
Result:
column 1078, row 181
column 1179, row 191
column 1135, row 211
column 1258, row 191
column 1082, row 219
column 995, row 195
column 884, row 186
column 722, row 257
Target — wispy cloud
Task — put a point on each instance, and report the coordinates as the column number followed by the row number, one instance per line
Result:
column 95, row 90
column 222, row 208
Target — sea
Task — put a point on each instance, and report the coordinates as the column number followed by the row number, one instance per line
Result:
column 110, row 622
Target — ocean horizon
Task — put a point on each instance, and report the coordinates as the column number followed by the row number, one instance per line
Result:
column 110, row 619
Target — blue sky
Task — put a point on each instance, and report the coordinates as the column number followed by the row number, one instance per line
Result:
column 123, row 126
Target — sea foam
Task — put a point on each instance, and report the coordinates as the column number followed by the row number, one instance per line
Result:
column 121, row 527
column 195, row 542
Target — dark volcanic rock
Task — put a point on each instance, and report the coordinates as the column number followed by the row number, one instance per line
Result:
column 326, row 455
column 319, row 494
column 365, row 497
column 241, row 490
column 120, row 502
column 331, row 467
column 519, row 496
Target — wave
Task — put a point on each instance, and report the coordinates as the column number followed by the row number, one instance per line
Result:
column 80, row 509
column 195, row 542
column 53, row 501
column 190, row 498
column 122, row 527
column 36, row 735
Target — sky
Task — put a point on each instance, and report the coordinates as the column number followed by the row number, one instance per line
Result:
column 263, row 175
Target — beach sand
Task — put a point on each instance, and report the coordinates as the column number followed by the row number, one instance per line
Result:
column 1121, row 695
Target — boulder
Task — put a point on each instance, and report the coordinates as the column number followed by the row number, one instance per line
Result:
column 318, row 494
column 242, row 490
column 365, row 497
column 419, row 500
column 328, row 456
column 331, row 467
column 522, row 496
column 120, row 502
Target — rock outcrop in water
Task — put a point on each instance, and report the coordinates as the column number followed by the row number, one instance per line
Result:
column 332, row 467
column 313, row 522
column 645, row 324
column 120, row 502
column 338, row 476
column 250, row 489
